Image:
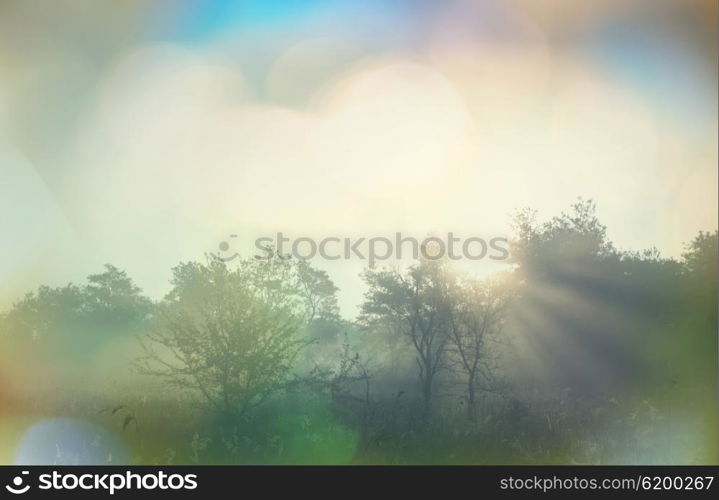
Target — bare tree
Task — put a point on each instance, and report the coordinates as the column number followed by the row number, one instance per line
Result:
column 476, row 321
column 417, row 305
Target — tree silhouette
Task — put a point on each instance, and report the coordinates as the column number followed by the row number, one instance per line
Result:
column 478, row 313
column 232, row 335
column 417, row 304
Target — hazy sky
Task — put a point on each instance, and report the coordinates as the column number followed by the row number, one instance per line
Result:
column 145, row 136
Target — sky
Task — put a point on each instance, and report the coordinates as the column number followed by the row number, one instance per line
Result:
column 144, row 134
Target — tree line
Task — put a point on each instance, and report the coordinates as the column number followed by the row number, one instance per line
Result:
column 521, row 360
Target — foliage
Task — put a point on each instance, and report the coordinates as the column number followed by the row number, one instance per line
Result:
column 579, row 352
column 231, row 334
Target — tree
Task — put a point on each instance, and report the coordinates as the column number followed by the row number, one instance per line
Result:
column 475, row 323
column 700, row 258
column 46, row 314
column 112, row 299
column 566, row 245
column 417, row 306
column 61, row 331
column 318, row 291
column 231, row 335
column 573, row 302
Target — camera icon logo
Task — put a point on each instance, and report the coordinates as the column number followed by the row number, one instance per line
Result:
column 17, row 488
